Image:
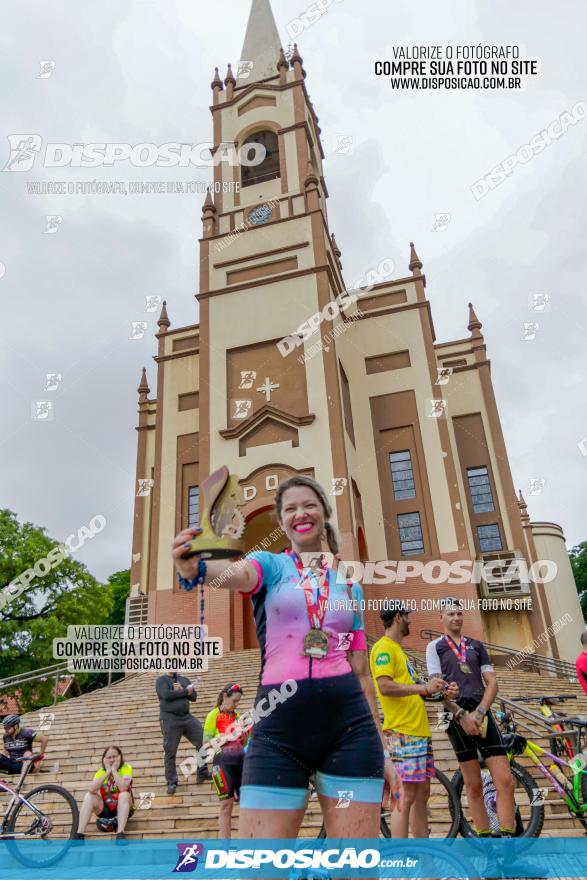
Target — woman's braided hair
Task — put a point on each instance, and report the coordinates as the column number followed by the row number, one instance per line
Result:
column 308, row 482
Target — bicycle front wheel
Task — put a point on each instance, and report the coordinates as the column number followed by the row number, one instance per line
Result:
column 528, row 799
column 41, row 835
column 443, row 822
column 444, row 810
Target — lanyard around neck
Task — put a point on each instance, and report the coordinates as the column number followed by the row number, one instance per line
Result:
column 316, row 610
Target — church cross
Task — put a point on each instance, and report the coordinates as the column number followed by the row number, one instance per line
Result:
column 267, row 387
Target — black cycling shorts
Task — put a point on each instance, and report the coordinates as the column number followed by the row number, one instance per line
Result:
column 227, row 777
column 325, row 728
column 467, row 748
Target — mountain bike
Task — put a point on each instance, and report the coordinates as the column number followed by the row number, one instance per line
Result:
column 558, row 745
column 567, row 779
column 47, row 814
column 443, row 809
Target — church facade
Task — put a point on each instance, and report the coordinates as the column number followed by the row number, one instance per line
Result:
column 403, row 431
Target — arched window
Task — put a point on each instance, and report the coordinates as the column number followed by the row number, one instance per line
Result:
column 268, row 168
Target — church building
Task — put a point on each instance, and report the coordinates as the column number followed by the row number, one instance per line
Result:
column 402, row 430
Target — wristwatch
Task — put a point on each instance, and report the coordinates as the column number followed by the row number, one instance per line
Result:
column 481, row 710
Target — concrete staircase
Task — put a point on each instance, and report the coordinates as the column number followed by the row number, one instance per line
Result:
column 126, row 714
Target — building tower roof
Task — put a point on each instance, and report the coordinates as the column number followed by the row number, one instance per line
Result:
column 262, row 44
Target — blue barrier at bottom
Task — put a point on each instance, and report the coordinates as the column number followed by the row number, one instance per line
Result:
column 302, row 859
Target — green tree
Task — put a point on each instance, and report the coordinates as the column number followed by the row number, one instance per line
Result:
column 62, row 592
column 119, row 588
column 578, row 557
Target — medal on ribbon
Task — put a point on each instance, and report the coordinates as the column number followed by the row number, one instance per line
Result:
column 460, row 654
column 315, row 640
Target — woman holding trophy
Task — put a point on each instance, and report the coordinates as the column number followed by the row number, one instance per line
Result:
column 310, row 630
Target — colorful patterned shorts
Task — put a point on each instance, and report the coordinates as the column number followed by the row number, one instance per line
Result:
column 412, row 756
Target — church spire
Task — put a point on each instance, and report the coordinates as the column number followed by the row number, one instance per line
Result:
column 163, row 323
column 261, row 46
column 474, row 325
column 143, row 389
column 415, row 264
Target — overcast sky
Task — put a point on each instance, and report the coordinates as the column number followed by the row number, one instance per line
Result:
column 140, row 71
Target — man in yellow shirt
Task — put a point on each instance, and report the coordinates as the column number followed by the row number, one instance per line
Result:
column 405, row 720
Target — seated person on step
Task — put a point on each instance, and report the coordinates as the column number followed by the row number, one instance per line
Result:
column 109, row 795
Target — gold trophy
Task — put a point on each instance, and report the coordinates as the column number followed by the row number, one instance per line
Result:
column 221, row 522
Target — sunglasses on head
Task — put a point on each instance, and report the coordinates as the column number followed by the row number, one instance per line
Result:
column 233, row 689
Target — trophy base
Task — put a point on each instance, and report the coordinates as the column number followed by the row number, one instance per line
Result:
column 212, row 552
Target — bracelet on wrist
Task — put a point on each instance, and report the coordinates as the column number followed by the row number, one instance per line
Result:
column 198, row 579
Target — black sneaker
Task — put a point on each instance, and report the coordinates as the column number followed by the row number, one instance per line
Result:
column 171, row 789
column 79, row 836
column 121, row 839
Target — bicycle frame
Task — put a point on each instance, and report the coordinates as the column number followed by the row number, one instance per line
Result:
column 571, row 797
column 16, row 796
column 547, row 712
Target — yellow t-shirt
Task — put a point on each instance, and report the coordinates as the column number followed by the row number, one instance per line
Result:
column 401, row 714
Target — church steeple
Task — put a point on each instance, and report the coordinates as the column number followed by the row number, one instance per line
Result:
column 262, row 45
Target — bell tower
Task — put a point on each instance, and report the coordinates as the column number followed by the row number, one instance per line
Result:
column 268, row 263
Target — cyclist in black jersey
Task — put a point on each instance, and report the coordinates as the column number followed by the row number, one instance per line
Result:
column 473, row 730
